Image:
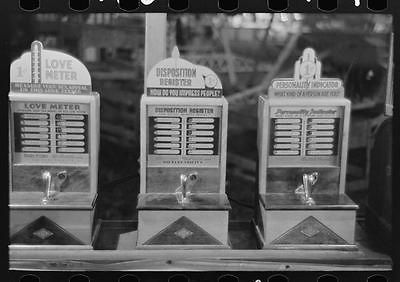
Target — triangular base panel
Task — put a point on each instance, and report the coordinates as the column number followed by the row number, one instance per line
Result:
column 183, row 232
column 310, row 231
column 43, row 231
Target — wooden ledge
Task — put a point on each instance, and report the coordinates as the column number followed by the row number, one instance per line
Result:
column 159, row 201
column 286, row 201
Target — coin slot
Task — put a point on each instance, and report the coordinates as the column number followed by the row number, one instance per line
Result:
column 193, row 177
column 62, row 175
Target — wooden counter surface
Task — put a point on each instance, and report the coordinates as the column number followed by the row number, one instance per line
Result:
column 115, row 251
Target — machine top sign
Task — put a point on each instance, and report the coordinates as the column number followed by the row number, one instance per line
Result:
column 176, row 77
column 307, row 81
column 49, row 72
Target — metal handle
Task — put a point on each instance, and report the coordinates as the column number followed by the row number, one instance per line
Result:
column 52, row 186
column 48, row 194
column 184, row 190
column 305, row 189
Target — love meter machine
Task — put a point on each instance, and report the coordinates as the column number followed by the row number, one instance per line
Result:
column 302, row 142
column 182, row 201
column 54, row 141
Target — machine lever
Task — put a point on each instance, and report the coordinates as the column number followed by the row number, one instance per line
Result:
column 184, row 190
column 52, row 186
column 305, row 189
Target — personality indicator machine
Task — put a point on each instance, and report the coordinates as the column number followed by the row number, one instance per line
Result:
column 54, row 140
column 302, row 142
column 182, row 201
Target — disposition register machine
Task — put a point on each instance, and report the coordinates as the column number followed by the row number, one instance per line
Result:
column 182, row 201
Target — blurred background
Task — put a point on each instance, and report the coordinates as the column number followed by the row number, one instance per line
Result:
column 246, row 51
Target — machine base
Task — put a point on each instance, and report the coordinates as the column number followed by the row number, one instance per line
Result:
column 284, row 222
column 52, row 226
column 200, row 224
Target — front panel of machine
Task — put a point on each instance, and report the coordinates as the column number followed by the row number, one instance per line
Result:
column 54, row 137
column 304, row 135
column 184, row 137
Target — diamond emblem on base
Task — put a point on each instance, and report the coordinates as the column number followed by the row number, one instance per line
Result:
column 43, row 233
column 309, row 231
column 183, row 233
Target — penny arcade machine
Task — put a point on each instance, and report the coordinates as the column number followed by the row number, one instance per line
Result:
column 303, row 134
column 54, row 142
column 182, row 201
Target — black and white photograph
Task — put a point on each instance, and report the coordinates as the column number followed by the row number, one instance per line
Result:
column 205, row 145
